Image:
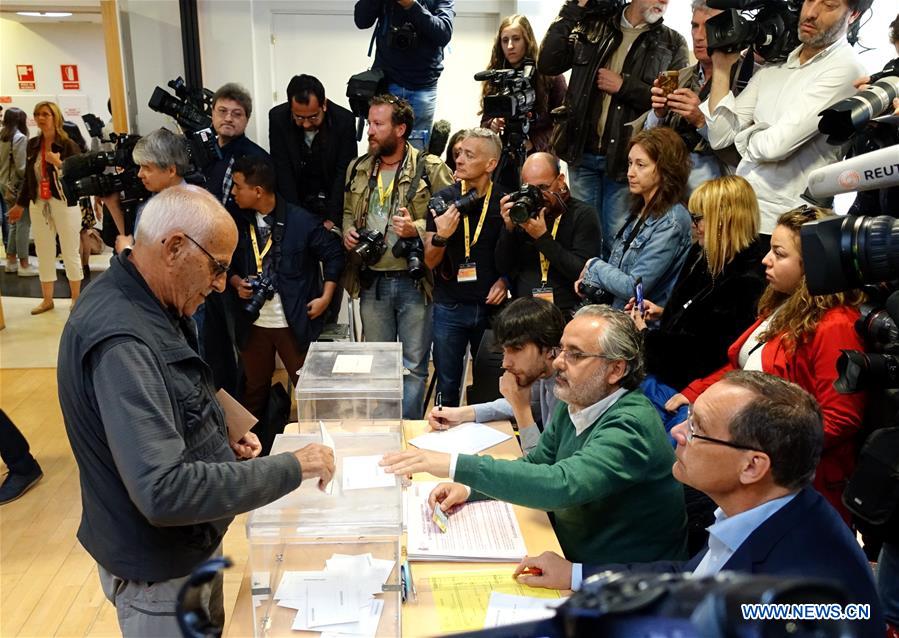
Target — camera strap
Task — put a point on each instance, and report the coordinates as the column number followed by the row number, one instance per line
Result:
column 630, row 239
column 544, row 262
column 465, row 222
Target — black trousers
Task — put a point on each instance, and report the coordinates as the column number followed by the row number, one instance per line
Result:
column 14, row 447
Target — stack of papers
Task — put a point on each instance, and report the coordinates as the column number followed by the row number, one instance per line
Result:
column 508, row 609
column 468, row 438
column 338, row 600
column 479, row 531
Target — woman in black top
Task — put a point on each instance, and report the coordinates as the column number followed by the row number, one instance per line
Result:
column 716, row 294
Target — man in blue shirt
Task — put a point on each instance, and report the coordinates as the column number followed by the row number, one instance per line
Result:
column 752, row 443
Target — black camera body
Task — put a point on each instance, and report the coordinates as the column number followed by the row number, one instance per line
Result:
column 85, row 175
column 371, row 246
column 263, row 290
column 772, row 32
column 514, row 97
column 403, row 37
column 594, row 295
column 527, row 202
column 440, row 205
column 413, row 251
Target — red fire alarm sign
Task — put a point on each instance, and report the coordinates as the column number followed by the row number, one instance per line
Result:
column 26, row 77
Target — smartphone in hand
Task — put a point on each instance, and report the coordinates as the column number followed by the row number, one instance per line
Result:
column 638, row 296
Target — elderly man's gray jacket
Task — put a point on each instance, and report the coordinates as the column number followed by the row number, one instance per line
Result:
column 159, row 482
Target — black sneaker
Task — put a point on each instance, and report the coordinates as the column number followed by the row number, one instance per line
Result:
column 17, row 484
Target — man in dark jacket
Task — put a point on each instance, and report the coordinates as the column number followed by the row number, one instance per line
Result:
column 312, row 141
column 752, row 443
column 159, row 478
column 410, row 37
column 614, row 58
column 285, row 244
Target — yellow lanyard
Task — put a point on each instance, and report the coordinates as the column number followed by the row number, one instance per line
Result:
column 544, row 262
column 260, row 255
column 477, row 232
column 384, row 195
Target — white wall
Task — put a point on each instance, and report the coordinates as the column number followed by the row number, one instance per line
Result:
column 46, row 47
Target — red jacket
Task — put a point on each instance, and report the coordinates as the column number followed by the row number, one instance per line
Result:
column 813, row 367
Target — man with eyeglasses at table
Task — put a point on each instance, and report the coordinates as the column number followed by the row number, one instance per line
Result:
column 751, row 442
column 602, row 465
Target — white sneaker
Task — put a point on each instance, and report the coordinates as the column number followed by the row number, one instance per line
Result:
column 28, row 271
column 11, row 267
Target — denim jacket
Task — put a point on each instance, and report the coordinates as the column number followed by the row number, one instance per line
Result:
column 656, row 254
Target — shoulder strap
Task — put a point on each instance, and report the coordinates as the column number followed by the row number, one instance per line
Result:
column 349, row 181
column 417, row 176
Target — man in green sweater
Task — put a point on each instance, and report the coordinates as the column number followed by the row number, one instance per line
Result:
column 602, row 465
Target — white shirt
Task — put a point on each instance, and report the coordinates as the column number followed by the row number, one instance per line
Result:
column 750, row 355
column 774, row 125
column 271, row 315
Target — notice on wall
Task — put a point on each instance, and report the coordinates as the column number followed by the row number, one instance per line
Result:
column 25, row 72
column 69, row 73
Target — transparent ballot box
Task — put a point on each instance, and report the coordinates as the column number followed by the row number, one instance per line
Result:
column 324, row 562
column 344, row 381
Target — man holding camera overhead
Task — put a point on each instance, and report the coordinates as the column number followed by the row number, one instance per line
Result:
column 463, row 227
column 385, row 200
column 548, row 236
column 410, row 35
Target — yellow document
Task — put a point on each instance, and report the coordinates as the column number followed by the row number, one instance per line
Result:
column 462, row 597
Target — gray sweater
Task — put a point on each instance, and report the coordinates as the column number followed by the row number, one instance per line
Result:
column 543, row 401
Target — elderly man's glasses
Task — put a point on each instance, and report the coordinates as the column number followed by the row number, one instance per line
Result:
column 691, row 434
column 218, row 268
column 575, row 356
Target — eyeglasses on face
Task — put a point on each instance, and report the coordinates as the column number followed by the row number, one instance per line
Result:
column 218, row 268
column 299, row 119
column 235, row 113
column 574, row 357
column 695, row 218
column 691, row 434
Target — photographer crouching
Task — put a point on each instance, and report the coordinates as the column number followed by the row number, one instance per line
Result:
column 275, row 272
column 461, row 246
column 548, row 236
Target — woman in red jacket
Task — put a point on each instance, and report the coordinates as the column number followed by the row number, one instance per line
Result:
column 798, row 337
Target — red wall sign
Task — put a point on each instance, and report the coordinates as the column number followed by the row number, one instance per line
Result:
column 69, row 74
column 26, row 77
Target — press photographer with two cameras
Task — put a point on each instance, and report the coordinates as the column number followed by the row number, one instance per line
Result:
column 548, row 235
column 653, row 244
column 615, row 51
column 281, row 251
column 463, row 229
column 410, row 37
column 774, row 121
column 385, row 201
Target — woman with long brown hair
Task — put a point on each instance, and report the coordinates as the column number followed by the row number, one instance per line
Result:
column 13, row 140
column 51, row 214
column 799, row 336
column 515, row 42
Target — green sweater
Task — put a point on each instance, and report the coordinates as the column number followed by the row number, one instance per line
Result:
column 610, row 489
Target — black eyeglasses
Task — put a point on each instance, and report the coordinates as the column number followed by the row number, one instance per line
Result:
column 695, row 218
column 218, row 268
column 575, row 356
column 691, row 434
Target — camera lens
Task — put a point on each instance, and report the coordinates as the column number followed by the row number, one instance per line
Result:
column 861, row 370
column 520, row 211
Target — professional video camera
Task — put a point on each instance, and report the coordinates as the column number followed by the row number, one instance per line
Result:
column 192, row 110
column 770, row 27
column 527, row 202
column 622, row 605
column 94, row 125
column 371, row 246
column 85, row 175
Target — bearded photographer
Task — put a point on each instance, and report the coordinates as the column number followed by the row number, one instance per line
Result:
column 461, row 247
column 614, row 56
column 275, row 272
column 774, row 121
column 385, row 200
column 410, row 37
column 547, row 251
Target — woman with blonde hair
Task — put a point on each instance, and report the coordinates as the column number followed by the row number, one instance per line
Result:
column 515, row 43
column 716, row 293
column 51, row 214
column 799, row 337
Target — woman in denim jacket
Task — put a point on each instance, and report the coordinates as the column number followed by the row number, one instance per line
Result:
column 654, row 242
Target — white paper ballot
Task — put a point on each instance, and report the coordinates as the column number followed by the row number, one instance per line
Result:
column 367, row 625
column 352, row 364
column 508, row 609
column 293, row 584
column 328, row 441
column 467, row 438
column 363, row 472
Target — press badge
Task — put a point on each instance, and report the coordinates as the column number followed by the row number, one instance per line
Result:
column 468, row 272
column 543, row 292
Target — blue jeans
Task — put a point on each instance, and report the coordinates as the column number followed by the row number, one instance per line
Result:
column 888, row 581
column 590, row 183
column 423, row 102
column 455, row 326
column 19, row 236
column 394, row 307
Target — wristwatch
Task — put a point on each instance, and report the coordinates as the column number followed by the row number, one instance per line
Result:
column 438, row 241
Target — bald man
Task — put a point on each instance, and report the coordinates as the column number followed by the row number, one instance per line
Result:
column 461, row 247
column 160, row 481
column 547, row 252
